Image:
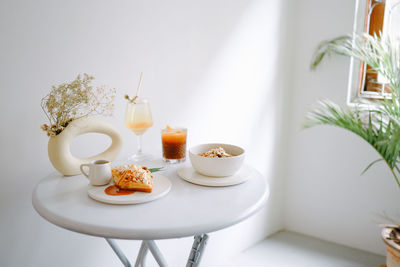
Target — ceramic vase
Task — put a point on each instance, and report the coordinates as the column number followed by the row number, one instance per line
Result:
column 392, row 248
column 59, row 145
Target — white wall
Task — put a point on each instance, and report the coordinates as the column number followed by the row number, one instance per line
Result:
column 326, row 196
column 213, row 66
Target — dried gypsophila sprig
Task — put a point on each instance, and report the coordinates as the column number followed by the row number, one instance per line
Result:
column 77, row 99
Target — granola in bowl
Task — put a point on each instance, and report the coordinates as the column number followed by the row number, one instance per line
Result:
column 218, row 152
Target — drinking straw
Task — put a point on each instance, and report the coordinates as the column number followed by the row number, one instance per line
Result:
column 139, row 86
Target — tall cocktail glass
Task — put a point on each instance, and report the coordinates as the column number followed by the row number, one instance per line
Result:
column 138, row 118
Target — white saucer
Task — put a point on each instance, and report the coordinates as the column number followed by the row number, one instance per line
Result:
column 161, row 187
column 189, row 174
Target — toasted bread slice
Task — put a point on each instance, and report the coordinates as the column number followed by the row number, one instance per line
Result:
column 133, row 177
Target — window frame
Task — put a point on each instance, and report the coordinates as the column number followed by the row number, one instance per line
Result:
column 358, row 69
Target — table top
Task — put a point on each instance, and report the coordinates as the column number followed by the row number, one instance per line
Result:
column 187, row 210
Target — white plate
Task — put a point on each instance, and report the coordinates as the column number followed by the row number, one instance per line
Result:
column 189, row 174
column 161, row 187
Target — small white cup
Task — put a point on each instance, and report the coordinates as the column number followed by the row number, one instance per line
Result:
column 99, row 172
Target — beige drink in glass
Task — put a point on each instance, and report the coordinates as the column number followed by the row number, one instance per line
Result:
column 138, row 118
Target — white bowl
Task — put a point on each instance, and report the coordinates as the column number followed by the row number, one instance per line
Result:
column 216, row 167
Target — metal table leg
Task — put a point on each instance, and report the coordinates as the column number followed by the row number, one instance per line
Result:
column 197, row 250
column 140, row 260
column 156, row 253
column 119, row 252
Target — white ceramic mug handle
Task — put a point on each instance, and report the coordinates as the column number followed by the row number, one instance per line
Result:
column 84, row 173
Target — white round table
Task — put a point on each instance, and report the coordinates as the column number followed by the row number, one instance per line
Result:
column 187, row 210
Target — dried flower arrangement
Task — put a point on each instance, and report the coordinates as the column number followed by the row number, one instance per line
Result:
column 74, row 100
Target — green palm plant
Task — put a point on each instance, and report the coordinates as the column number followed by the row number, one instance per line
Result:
column 375, row 121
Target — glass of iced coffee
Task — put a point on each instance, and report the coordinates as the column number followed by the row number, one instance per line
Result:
column 174, row 144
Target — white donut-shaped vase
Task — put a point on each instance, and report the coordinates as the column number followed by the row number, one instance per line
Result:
column 59, row 145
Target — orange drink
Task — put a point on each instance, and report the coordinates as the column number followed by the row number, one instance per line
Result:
column 174, row 144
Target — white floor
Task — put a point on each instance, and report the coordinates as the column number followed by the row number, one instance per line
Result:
column 286, row 249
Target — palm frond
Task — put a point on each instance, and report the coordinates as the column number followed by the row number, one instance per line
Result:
column 339, row 45
column 369, row 125
column 378, row 122
column 382, row 54
column 370, row 165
